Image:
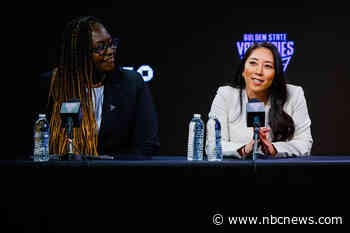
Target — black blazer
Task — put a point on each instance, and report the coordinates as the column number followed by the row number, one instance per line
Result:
column 129, row 123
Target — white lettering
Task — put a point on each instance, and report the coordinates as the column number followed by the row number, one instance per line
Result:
column 240, row 46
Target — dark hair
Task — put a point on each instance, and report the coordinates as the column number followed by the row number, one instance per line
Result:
column 73, row 80
column 282, row 125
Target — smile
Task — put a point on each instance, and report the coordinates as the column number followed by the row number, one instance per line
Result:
column 109, row 60
column 257, row 81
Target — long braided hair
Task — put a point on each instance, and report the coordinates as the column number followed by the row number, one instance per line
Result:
column 73, row 79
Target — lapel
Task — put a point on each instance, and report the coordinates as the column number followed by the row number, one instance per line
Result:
column 111, row 101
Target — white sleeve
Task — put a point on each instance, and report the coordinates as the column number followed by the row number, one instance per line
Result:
column 220, row 108
column 301, row 143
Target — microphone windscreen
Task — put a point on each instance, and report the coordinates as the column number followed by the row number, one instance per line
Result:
column 255, row 113
column 255, row 105
column 71, row 111
column 70, row 108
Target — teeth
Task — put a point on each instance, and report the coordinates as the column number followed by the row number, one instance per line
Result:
column 257, row 80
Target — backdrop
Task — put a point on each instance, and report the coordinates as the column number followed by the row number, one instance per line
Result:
column 192, row 50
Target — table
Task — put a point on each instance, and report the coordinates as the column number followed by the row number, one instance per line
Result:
column 168, row 191
column 318, row 169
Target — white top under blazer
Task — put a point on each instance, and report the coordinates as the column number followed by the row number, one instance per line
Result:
column 234, row 130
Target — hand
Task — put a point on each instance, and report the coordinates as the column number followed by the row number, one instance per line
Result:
column 247, row 149
column 268, row 148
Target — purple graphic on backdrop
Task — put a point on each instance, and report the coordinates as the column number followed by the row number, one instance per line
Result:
column 284, row 46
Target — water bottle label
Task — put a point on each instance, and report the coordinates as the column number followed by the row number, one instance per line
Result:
column 210, row 147
column 41, row 140
column 218, row 139
column 190, row 150
column 195, row 140
column 198, row 145
column 214, row 150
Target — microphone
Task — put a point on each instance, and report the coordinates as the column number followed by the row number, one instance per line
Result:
column 255, row 113
column 256, row 119
column 71, row 110
column 71, row 116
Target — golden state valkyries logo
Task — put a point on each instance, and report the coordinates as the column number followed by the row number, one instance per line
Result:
column 284, row 46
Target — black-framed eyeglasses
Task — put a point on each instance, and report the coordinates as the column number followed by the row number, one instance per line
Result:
column 102, row 49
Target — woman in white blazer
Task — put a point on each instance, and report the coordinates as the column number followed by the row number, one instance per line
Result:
column 260, row 76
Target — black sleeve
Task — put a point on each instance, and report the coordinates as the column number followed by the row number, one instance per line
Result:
column 146, row 129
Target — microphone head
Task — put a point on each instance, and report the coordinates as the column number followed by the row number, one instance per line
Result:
column 71, row 109
column 255, row 105
column 255, row 113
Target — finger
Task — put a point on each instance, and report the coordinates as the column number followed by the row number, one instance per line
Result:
column 263, row 136
column 265, row 129
column 264, row 140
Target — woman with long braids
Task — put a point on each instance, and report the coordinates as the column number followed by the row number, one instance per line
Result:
column 118, row 116
column 260, row 76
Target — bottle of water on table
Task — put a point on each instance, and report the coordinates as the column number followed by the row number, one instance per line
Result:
column 195, row 138
column 213, row 146
column 41, row 139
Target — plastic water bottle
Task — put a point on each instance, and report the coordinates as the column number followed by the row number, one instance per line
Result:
column 213, row 146
column 41, row 139
column 195, row 138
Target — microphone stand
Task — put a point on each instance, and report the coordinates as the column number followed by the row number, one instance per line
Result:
column 70, row 154
column 256, row 132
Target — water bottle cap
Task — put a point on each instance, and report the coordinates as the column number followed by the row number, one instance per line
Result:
column 41, row 115
column 196, row 115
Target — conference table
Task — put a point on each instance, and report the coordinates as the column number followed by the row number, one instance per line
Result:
column 85, row 194
column 298, row 170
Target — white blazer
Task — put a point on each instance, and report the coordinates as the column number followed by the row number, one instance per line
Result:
column 234, row 130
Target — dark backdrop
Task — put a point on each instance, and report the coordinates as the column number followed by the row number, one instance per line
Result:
column 192, row 50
